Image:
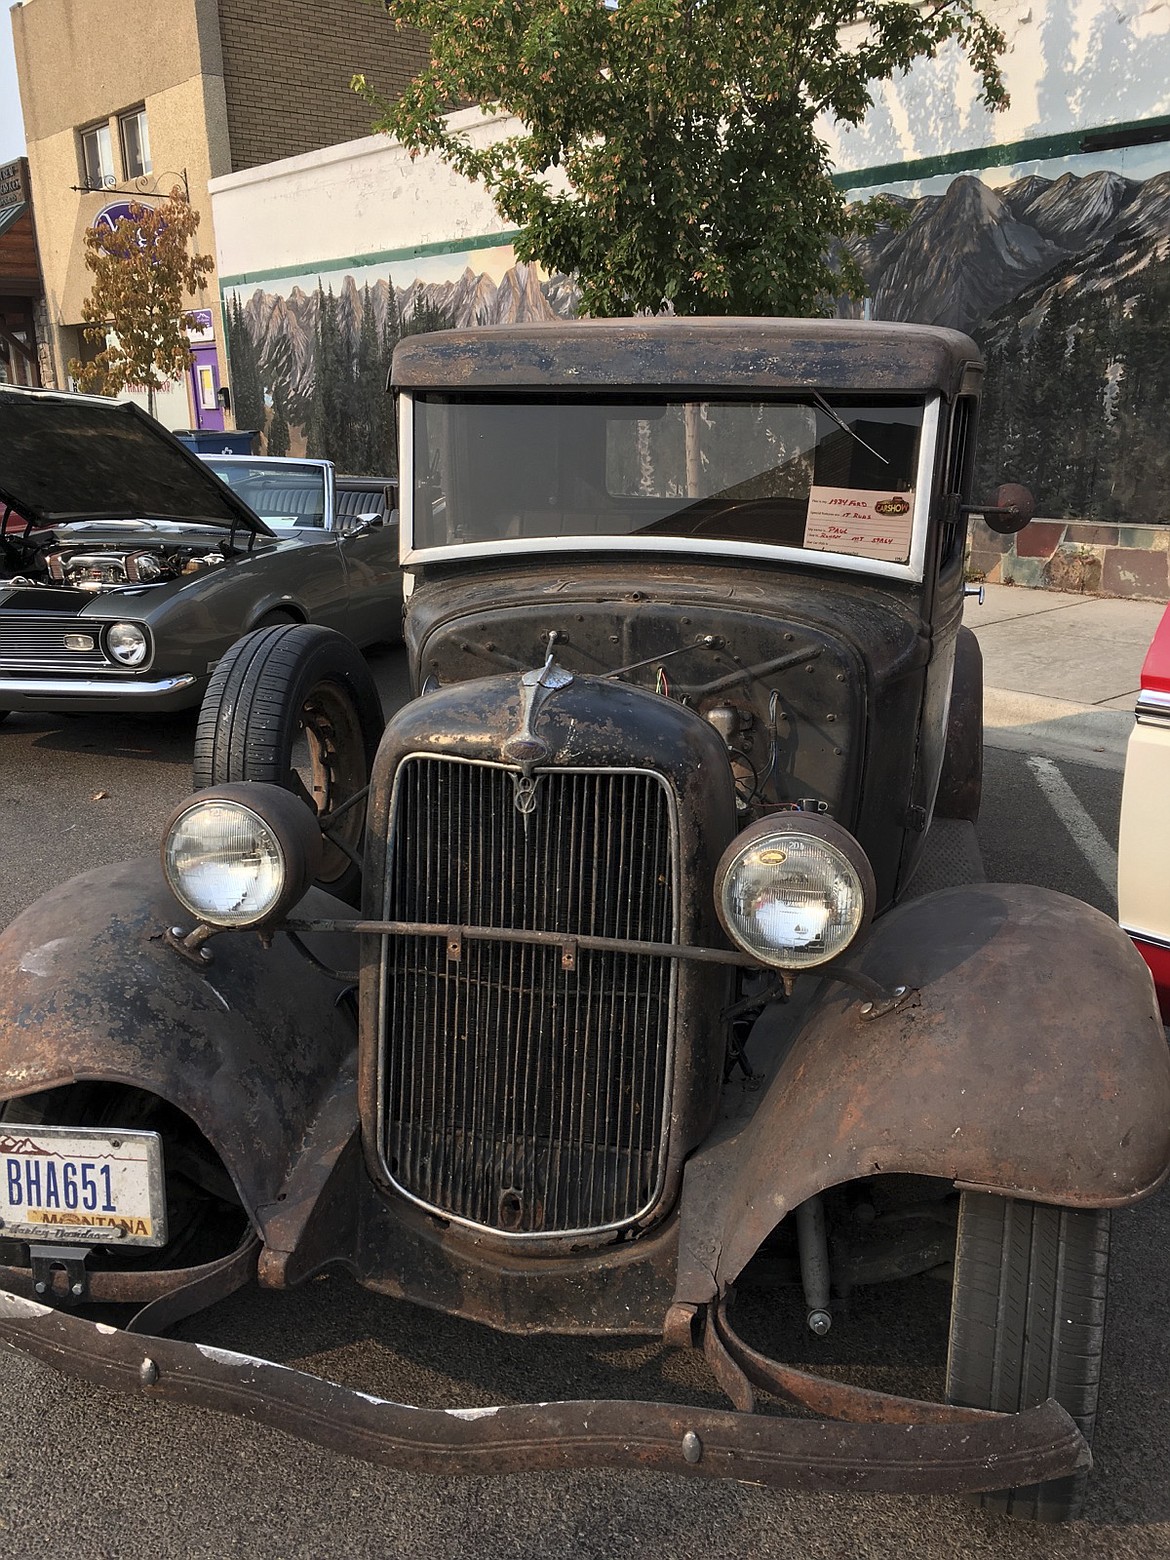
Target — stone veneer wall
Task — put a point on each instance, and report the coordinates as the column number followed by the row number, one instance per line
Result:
column 1088, row 556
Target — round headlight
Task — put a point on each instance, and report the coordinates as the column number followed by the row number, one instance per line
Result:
column 794, row 891
column 240, row 855
column 127, row 643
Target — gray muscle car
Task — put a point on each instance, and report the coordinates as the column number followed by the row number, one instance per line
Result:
column 128, row 566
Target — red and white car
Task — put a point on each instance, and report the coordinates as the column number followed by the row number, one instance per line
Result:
column 1143, row 876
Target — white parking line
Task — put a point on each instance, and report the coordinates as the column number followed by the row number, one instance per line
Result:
column 1092, row 844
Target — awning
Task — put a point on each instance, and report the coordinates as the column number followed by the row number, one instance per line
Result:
column 11, row 214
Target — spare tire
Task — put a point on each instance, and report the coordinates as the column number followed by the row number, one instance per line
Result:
column 296, row 705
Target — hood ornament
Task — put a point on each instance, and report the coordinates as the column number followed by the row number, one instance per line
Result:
column 524, row 746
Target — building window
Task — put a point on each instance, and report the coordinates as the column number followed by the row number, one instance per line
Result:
column 97, row 150
column 135, row 143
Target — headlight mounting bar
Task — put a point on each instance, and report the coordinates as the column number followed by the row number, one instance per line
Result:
column 568, row 943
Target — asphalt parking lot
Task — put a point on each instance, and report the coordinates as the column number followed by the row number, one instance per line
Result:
column 91, row 1473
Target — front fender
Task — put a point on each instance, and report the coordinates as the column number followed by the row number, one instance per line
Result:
column 1029, row 1061
column 251, row 1047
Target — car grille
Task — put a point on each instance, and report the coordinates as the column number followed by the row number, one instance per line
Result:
column 517, row 1094
column 37, row 644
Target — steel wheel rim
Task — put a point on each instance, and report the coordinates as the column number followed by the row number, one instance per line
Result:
column 327, row 766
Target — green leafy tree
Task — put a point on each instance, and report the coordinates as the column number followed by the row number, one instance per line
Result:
column 143, row 270
column 686, row 131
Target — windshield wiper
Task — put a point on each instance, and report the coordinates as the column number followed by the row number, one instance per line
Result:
column 823, row 405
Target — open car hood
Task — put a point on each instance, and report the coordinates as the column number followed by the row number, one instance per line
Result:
column 77, row 457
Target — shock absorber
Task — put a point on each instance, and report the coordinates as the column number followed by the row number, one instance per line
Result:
column 814, row 1264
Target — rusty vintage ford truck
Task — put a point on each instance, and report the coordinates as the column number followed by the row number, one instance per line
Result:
column 655, row 946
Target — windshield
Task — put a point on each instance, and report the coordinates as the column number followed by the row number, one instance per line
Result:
column 831, row 474
column 283, row 493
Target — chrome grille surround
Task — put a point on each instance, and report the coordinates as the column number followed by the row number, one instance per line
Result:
column 31, row 643
column 564, row 1133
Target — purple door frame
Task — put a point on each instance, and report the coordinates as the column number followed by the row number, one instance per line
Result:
column 205, row 388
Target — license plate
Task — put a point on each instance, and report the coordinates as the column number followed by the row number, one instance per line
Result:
column 82, row 1185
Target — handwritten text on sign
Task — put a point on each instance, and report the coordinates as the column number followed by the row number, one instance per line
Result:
column 863, row 524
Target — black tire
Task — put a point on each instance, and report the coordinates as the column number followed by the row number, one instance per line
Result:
column 960, row 784
column 1028, row 1323
column 296, row 705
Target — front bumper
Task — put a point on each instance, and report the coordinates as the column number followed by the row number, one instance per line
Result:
column 875, row 1443
column 74, row 695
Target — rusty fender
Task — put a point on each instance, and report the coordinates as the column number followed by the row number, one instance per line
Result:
column 252, row 1045
column 888, row 1444
column 1028, row 1060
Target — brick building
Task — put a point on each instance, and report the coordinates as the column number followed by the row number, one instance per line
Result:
column 287, row 68
column 126, row 99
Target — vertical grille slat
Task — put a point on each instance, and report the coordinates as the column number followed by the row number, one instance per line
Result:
column 517, row 1095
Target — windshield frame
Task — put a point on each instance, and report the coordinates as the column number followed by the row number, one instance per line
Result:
column 277, row 524
column 913, row 570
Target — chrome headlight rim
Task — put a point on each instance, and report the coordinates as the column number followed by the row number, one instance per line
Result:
column 140, row 662
column 291, row 829
column 829, row 835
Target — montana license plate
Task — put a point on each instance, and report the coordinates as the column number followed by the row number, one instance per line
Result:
column 81, row 1184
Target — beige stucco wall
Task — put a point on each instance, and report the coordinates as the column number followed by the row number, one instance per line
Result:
column 81, row 61
column 359, row 198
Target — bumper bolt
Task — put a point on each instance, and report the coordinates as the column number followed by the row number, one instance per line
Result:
column 77, row 1290
column 40, row 1286
column 692, row 1447
column 819, row 1322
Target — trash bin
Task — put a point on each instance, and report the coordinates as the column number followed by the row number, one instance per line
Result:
column 218, row 441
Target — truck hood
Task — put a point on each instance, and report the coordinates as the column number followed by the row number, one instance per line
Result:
column 74, row 457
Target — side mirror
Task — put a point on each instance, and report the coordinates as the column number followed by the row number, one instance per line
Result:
column 1013, row 508
column 358, row 525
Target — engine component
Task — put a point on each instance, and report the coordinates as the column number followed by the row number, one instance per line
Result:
column 108, row 570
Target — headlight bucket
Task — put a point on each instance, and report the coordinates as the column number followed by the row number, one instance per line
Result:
column 241, row 855
column 128, row 644
column 794, row 890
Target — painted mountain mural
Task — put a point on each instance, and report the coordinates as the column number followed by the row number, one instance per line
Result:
column 310, row 362
column 1065, row 283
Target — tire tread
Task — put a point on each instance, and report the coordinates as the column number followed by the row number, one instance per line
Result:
column 1028, row 1323
column 247, row 720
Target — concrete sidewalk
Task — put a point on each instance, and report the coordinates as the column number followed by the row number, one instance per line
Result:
column 1061, row 672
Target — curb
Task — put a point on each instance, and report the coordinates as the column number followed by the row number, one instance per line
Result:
column 1083, row 732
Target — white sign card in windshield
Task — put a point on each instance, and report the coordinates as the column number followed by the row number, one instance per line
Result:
column 864, row 524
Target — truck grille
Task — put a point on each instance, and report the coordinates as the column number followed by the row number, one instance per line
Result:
column 518, row 1095
column 36, row 644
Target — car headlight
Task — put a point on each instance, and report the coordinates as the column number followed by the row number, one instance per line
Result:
column 794, row 890
column 127, row 643
column 240, row 855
